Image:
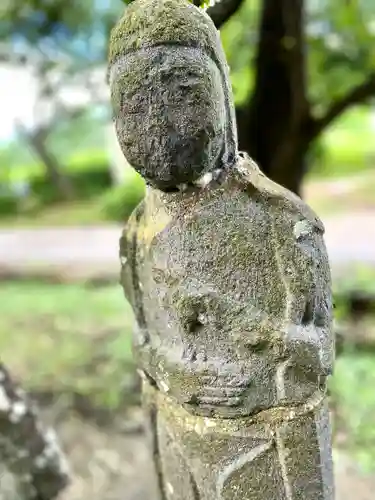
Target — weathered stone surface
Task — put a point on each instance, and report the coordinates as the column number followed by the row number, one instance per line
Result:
column 211, row 332
column 32, row 464
column 170, row 92
column 279, row 454
column 228, row 276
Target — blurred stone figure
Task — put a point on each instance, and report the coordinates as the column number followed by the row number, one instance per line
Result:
column 227, row 273
column 32, row 464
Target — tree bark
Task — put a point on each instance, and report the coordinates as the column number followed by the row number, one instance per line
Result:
column 274, row 126
column 357, row 95
column 221, row 11
column 37, row 143
column 53, row 169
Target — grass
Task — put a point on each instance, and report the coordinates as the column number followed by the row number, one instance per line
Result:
column 67, row 339
column 353, row 397
column 352, row 386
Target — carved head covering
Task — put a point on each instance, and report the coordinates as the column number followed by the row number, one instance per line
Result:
column 171, row 95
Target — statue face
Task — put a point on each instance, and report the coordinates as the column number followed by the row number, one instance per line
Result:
column 170, row 123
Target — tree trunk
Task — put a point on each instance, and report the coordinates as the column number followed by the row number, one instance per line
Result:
column 53, row 169
column 274, row 124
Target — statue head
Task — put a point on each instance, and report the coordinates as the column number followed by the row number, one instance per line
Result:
column 170, row 90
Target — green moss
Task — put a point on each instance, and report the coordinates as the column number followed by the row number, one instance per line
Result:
column 151, row 23
column 148, row 23
column 120, row 201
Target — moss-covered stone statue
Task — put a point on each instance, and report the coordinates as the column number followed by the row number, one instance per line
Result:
column 227, row 273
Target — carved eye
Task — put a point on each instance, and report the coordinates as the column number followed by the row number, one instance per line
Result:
column 314, row 314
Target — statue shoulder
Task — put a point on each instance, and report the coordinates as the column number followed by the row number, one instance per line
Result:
column 278, row 197
column 149, row 218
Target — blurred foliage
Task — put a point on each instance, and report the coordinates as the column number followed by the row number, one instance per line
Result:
column 62, row 46
column 81, row 213
column 340, row 40
column 88, row 171
column 240, row 36
column 95, row 197
column 340, row 36
column 8, row 204
column 88, row 178
column 360, row 279
column 60, row 28
column 74, row 36
column 347, row 148
column 118, row 203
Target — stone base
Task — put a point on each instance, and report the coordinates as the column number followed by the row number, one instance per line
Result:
column 199, row 458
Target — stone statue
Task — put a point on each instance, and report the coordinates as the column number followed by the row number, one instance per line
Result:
column 227, row 273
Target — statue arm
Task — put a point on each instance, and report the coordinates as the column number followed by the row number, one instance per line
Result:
column 129, row 256
column 300, row 233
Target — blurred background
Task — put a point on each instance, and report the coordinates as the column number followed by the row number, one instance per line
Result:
column 303, row 75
